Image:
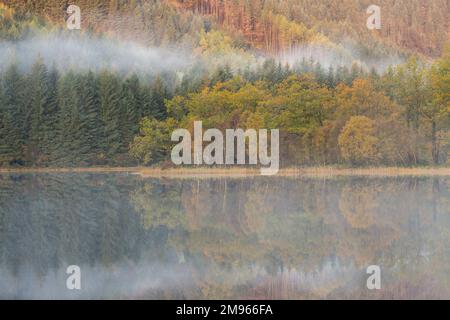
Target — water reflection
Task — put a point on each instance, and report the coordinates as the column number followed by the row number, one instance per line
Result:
column 259, row 238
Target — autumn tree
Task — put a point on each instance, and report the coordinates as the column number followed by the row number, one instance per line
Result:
column 437, row 111
column 357, row 142
column 153, row 142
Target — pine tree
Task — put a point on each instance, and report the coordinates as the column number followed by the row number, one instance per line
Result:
column 91, row 125
column 50, row 118
column 319, row 73
column 158, row 94
column 330, row 77
column 110, row 106
column 5, row 151
column 222, row 74
column 40, row 94
column 269, row 70
column 388, row 83
column 339, row 76
column 346, row 76
column 374, row 74
column 354, row 73
column 68, row 142
column 131, row 105
column 12, row 117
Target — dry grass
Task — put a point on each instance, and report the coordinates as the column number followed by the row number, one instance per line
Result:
column 313, row 172
column 68, row 169
column 214, row 172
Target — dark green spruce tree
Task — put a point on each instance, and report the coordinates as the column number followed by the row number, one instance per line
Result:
column 68, row 139
column 131, row 108
column 41, row 108
column 50, row 118
column 91, row 124
column 111, row 108
column 12, row 117
column 156, row 108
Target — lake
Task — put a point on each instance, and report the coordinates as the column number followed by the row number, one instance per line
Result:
column 240, row 238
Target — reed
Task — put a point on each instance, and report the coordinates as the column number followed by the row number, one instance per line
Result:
column 235, row 172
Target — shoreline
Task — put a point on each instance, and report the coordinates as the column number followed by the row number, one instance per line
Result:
column 204, row 172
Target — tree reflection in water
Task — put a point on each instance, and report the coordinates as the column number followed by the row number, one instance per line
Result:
column 262, row 237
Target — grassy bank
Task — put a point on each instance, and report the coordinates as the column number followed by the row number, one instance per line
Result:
column 207, row 172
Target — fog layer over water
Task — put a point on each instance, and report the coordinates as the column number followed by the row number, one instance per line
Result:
column 262, row 237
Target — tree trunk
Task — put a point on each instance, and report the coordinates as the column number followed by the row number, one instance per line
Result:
column 434, row 144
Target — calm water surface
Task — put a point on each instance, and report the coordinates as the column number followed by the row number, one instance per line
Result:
column 252, row 238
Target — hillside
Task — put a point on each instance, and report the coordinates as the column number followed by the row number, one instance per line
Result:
column 271, row 27
column 274, row 26
column 112, row 93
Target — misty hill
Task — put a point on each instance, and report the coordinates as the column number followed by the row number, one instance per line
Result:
column 278, row 28
column 112, row 92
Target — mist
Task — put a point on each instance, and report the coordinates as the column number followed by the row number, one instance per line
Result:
column 83, row 53
column 124, row 279
column 335, row 56
column 146, row 279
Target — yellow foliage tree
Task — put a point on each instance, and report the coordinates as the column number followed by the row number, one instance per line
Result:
column 357, row 142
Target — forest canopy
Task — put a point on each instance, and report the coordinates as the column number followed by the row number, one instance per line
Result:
column 87, row 118
column 327, row 113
